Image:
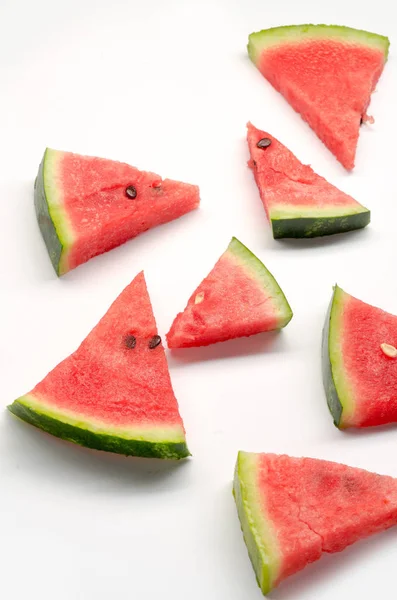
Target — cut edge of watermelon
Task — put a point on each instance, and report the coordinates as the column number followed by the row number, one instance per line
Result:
column 277, row 36
column 54, row 223
column 257, row 270
column 340, row 398
column 151, row 442
column 258, row 532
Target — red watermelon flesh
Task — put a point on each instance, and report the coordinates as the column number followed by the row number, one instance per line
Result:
column 238, row 298
column 360, row 379
column 114, row 392
column 298, row 202
column 84, row 207
column 327, row 74
column 294, row 509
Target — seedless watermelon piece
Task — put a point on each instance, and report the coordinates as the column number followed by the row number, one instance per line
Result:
column 238, row 298
column 327, row 74
column 359, row 362
column 293, row 509
column 298, row 202
column 114, row 393
column 86, row 205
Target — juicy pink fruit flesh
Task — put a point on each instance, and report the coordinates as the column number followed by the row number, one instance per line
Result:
column 371, row 374
column 102, row 216
column 235, row 305
column 106, row 381
column 318, row 506
column 329, row 82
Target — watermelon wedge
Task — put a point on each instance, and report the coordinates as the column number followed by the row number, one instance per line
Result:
column 238, row 298
column 114, row 392
column 327, row 74
column 359, row 362
column 86, row 205
column 298, row 202
column 293, row 509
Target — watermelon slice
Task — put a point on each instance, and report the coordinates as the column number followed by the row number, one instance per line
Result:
column 298, row 202
column 114, row 392
column 86, row 206
column 359, row 362
column 293, row 509
column 327, row 74
column 238, row 298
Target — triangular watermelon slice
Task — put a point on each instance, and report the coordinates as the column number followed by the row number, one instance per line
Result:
column 238, row 298
column 293, row 509
column 86, row 205
column 114, row 393
column 360, row 362
column 298, row 202
column 327, row 74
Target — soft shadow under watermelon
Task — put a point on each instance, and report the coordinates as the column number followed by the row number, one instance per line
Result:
column 314, row 575
column 363, row 431
column 45, row 457
column 272, row 341
column 326, row 240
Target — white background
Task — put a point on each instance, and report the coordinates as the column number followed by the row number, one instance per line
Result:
column 167, row 86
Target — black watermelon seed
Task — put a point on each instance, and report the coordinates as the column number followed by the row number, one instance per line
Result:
column 361, row 121
column 131, row 192
column 264, row 143
column 130, row 341
column 154, row 342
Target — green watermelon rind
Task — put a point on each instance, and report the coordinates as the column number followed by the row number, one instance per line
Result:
column 258, row 533
column 257, row 270
column 335, row 382
column 79, row 432
column 309, row 227
column 52, row 219
column 260, row 40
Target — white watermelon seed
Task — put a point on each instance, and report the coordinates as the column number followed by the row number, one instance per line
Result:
column 389, row 350
column 199, row 298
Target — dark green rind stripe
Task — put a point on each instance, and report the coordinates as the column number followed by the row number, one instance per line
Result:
column 302, row 227
column 47, row 228
column 99, row 441
column 333, row 401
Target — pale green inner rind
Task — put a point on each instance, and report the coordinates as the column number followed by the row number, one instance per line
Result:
column 257, row 270
column 335, row 341
column 258, row 532
column 147, row 433
column 54, row 195
column 293, row 211
column 260, row 40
